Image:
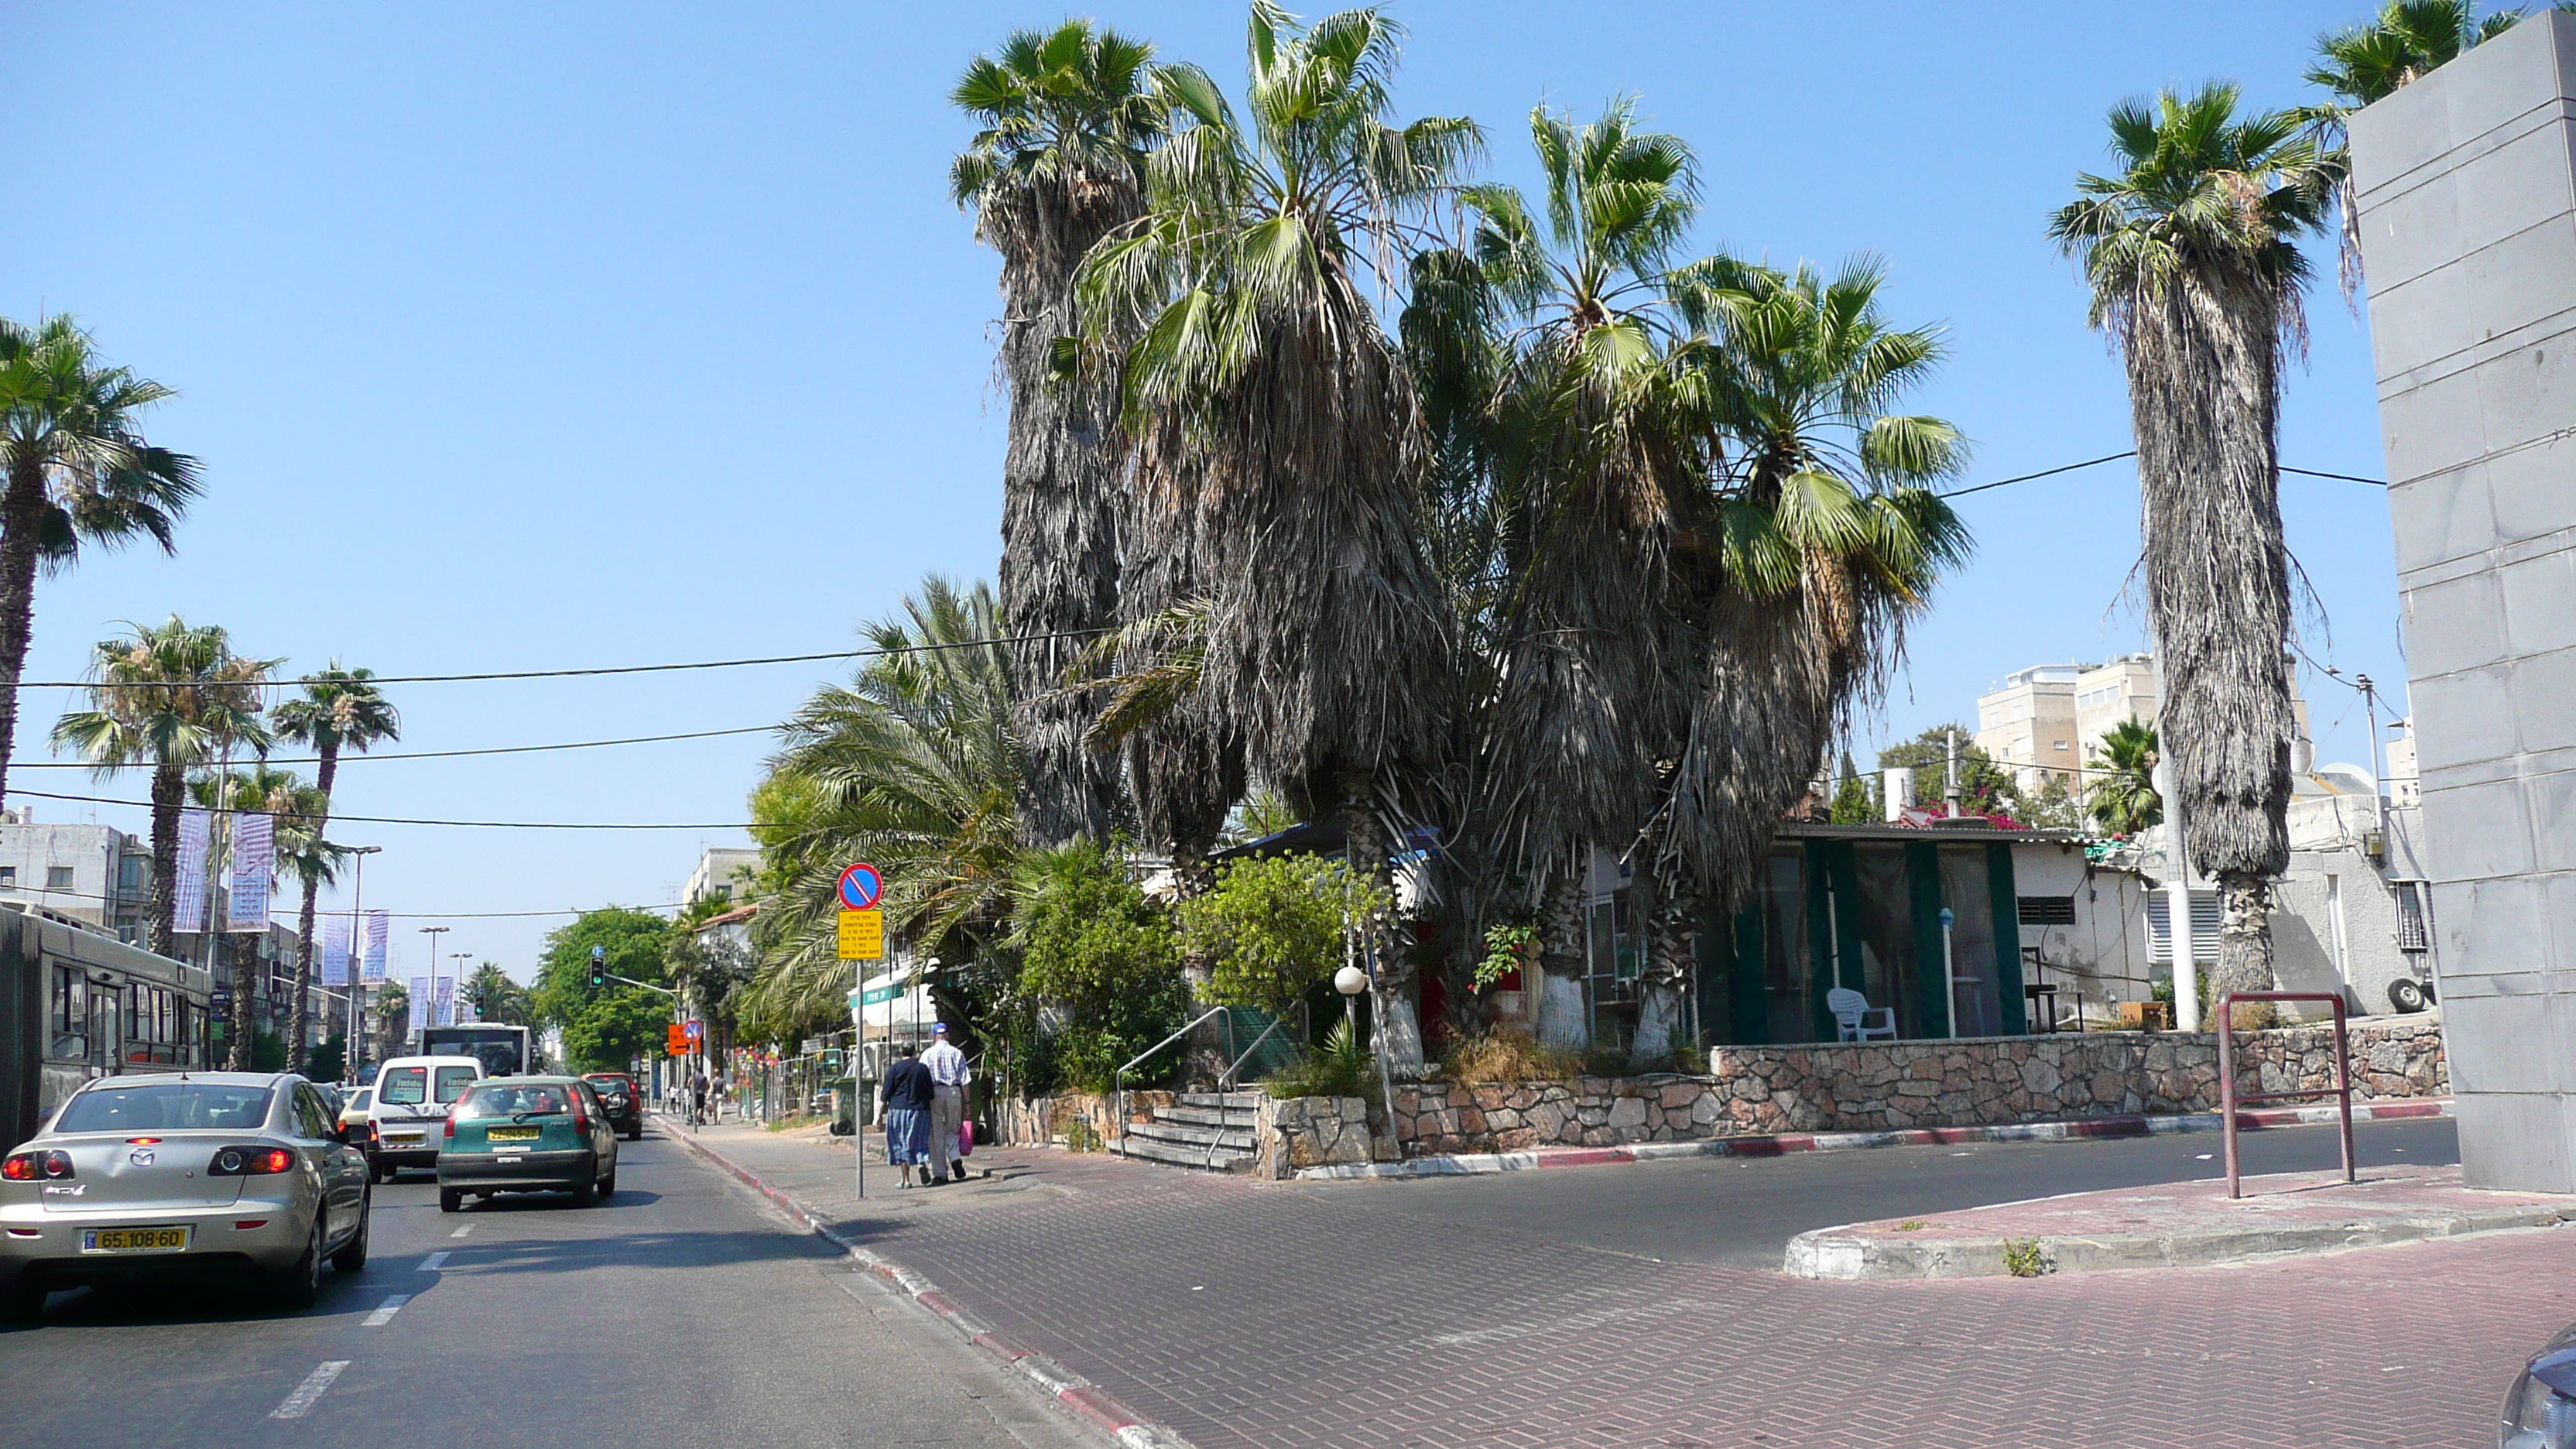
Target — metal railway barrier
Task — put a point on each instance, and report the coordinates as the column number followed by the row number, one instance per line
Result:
column 2228, row 1097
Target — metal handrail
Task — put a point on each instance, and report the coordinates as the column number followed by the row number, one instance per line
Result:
column 1117, row 1079
column 1225, row 1079
column 2227, row 1094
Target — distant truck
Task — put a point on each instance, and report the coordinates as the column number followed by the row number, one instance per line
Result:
column 504, row 1051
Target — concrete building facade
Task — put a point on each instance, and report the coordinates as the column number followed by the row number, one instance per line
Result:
column 95, row 874
column 720, row 875
column 2028, row 724
column 2467, row 216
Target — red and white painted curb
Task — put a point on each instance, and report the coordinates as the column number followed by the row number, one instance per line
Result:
column 1782, row 1144
column 1086, row 1401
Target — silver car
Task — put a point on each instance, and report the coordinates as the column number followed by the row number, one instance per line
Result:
column 147, row 1176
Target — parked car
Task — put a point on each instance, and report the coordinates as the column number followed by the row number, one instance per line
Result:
column 353, row 1116
column 2540, row 1411
column 411, row 1101
column 149, row 1176
column 527, row 1134
column 618, row 1098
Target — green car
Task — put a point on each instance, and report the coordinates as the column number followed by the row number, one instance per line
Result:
column 527, row 1134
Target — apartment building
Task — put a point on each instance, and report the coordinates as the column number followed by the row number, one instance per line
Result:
column 95, row 874
column 2052, row 718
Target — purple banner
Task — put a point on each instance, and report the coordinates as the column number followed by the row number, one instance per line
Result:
column 416, row 1006
column 188, row 902
column 335, row 950
column 379, row 926
column 446, row 1001
column 254, row 858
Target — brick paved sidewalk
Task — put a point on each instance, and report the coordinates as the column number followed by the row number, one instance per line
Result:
column 1246, row 1314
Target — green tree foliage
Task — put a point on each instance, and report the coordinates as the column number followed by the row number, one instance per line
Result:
column 1097, row 957
column 1272, row 929
column 495, row 996
column 1985, row 788
column 2053, row 805
column 604, row 1029
column 2124, row 800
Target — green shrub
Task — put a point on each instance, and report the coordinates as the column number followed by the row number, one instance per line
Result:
column 1271, row 929
column 2023, row 1258
column 1338, row 1068
column 1104, row 962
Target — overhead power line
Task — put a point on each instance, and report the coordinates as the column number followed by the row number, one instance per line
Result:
column 339, row 819
column 443, row 754
column 2116, row 457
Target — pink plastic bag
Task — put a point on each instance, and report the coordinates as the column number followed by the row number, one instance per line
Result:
column 965, row 1138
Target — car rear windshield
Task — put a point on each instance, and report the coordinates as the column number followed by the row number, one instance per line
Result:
column 608, row 1084
column 491, row 1101
column 452, row 1082
column 172, row 1106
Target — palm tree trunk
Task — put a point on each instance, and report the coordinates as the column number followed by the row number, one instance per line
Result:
column 327, row 770
column 1662, row 1000
column 238, row 1029
column 2244, row 935
column 21, row 510
column 169, row 790
column 1558, row 1008
column 1391, row 1003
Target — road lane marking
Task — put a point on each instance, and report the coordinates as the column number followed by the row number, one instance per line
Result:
column 386, row 1310
column 307, row 1392
column 430, row 1263
column 461, row 1232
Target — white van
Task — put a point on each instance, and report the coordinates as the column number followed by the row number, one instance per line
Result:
column 410, row 1107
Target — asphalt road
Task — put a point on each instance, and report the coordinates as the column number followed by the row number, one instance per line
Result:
column 679, row 1311
column 1743, row 1211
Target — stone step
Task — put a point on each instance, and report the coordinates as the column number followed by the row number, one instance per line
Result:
column 1182, row 1134
column 1242, row 1117
column 1232, row 1101
column 1181, row 1154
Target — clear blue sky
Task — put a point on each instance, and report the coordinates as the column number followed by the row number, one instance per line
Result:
column 536, row 336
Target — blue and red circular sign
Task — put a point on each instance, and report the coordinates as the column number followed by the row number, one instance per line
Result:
column 861, row 887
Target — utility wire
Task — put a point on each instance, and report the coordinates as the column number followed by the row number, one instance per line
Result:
column 336, row 818
column 609, row 669
column 2043, row 473
column 16, row 765
column 320, row 913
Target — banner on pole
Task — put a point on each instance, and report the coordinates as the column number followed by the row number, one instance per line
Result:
column 379, row 927
column 188, row 898
column 335, row 950
column 416, row 1006
column 446, row 999
column 254, row 870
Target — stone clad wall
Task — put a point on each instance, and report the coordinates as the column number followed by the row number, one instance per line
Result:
column 1048, row 1121
column 1757, row 1091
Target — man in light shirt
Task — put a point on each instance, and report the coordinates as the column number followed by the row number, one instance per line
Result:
column 948, row 1079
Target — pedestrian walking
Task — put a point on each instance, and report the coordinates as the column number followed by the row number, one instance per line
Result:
column 948, row 1081
column 698, row 1096
column 907, row 1090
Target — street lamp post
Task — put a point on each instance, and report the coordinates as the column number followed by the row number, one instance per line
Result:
column 460, row 958
column 427, row 1012
column 357, row 961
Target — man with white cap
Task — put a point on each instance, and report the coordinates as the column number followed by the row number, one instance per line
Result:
column 948, row 1079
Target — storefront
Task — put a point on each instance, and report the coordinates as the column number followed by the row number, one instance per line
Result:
column 1877, row 909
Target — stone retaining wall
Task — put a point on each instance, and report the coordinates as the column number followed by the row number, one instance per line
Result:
column 1755, row 1091
column 1049, row 1121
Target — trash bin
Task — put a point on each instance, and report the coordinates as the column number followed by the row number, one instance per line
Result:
column 845, row 1106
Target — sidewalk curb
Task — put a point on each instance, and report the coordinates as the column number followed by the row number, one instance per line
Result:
column 1782, row 1144
column 1085, row 1401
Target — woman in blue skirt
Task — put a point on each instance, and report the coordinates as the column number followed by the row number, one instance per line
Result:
column 907, row 1118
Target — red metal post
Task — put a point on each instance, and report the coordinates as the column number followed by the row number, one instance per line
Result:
column 2227, row 1095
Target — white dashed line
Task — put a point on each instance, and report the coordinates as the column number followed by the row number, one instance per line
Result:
column 430, row 1263
column 311, row 1389
column 461, row 1232
column 386, row 1310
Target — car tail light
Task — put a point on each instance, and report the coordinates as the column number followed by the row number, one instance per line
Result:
column 37, row 1166
column 449, row 1131
column 580, row 1114
column 250, row 1162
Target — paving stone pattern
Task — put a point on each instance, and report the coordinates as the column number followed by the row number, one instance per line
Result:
column 1244, row 1313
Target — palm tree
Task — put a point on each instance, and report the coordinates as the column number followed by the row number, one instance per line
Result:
column 78, row 470
column 169, row 697
column 1066, row 118
column 1597, row 450
column 2190, row 250
column 495, row 995
column 1822, row 541
column 2122, row 799
column 297, row 844
column 340, row 709
column 910, row 765
column 1243, row 305
column 2367, row 62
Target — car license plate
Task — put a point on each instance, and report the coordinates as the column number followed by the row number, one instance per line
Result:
column 512, row 1134
column 135, row 1240
column 407, row 1138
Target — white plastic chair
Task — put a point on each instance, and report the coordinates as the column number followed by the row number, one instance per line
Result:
column 1852, row 1012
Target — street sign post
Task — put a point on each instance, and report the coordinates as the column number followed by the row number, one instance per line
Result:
column 675, row 1042
column 862, row 935
column 861, row 886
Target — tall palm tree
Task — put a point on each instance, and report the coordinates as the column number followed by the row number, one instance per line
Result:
column 910, row 765
column 1066, row 117
column 495, row 995
column 1823, row 540
column 2368, row 62
column 169, row 698
column 297, row 845
column 1245, row 304
column 1598, row 451
column 2191, row 252
column 78, row 470
column 340, row 709
column 2122, row 797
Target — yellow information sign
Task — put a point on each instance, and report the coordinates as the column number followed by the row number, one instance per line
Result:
column 862, row 935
